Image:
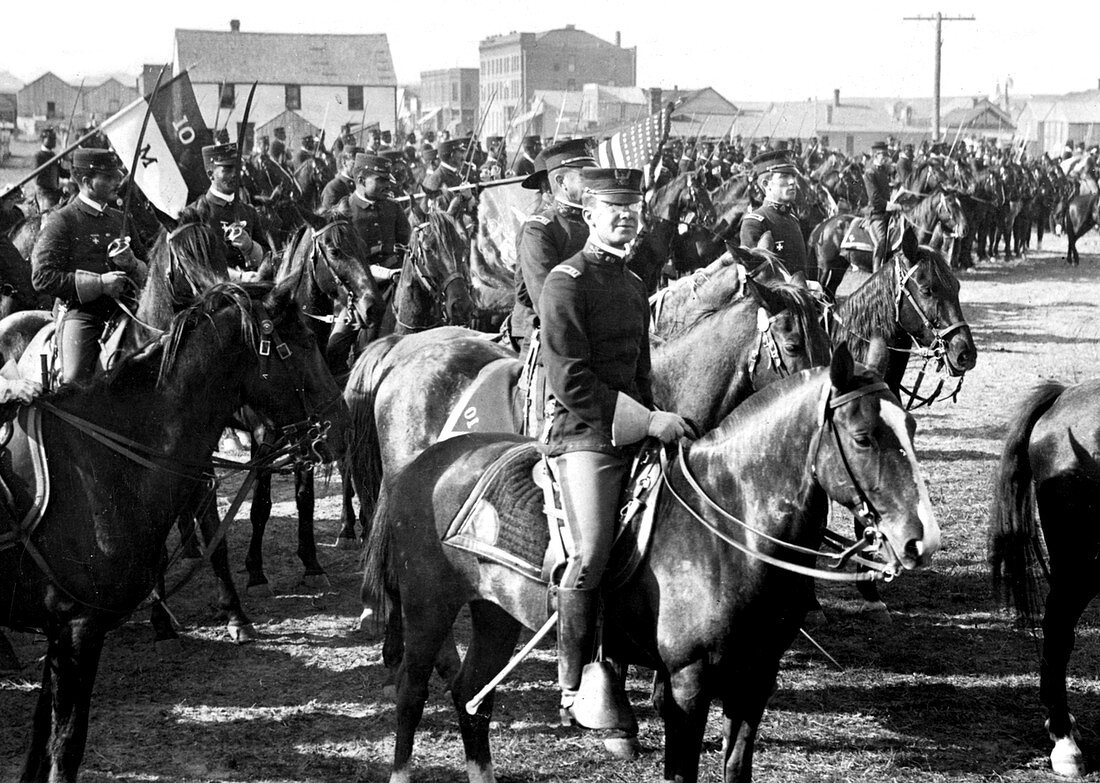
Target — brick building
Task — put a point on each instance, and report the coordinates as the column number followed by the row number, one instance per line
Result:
column 449, row 100
column 515, row 65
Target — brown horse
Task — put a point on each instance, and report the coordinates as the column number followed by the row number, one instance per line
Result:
column 711, row 349
column 719, row 535
column 1081, row 215
column 97, row 550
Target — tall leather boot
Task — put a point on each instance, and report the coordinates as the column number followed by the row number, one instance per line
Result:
column 576, row 636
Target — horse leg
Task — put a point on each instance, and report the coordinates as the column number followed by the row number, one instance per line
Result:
column 61, row 717
column 743, row 701
column 314, row 577
column 238, row 626
column 346, row 538
column 426, row 627
column 164, row 632
column 493, row 639
column 259, row 515
column 9, row 661
column 682, row 701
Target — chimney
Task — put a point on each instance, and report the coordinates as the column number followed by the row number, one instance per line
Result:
column 655, row 94
column 234, row 25
column 618, row 39
column 570, row 27
column 836, row 97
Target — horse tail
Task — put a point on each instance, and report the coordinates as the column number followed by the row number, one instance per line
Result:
column 1014, row 545
column 380, row 586
column 363, row 459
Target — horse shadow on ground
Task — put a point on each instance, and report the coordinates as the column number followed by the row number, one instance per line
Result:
column 1006, row 315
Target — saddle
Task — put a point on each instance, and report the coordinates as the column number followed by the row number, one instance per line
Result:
column 513, row 516
column 858, row 236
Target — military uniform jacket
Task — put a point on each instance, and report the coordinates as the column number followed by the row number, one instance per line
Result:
column 381, row 222
column 524, row 166
column 445, row 176
column 49, row 179
column 595, row 344
column 876, row 180
column 337, row 188
column 75, row 238
column 786, row 232
column 217, row 214
column 547, row 238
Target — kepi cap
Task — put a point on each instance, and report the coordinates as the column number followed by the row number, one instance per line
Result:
column 97, row 160
column 370, row 163
column 573, row 153
column 879, row 146
column 219, row 155
column 777, row 161
column 617, row 186
column 453, row 145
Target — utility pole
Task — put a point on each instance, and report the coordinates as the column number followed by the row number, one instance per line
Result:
column 939, row 19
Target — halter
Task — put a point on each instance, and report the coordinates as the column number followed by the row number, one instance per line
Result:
column 874, row 540
column 437, row 292
column 351, row 313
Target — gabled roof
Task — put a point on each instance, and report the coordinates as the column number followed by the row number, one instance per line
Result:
column 47, row 76
column 572, row 38
column 983, row 115
column 706, row 100
column 215, row 56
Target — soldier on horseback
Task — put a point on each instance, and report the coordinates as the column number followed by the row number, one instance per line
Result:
column 551, row 235
column 47, row 184
column 343, row 184
column 223, row 210
column 81, row 258
column 876, row 180
column 773, row 225
column 452, row 172
column 595, row 327
column 531, row 147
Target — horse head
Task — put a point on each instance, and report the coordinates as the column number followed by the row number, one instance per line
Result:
column 864, row 459
column 439, row 260
column 339, row 268
column 928, row 308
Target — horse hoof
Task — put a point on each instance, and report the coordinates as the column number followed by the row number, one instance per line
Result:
column 262, row 590
column 1066, row 759
column 168, row 649
column 364, row 619
column 389, row 692
column 316, row 582
column 626, row 748
column 241, row 633
column 346, row 542
column 876, row 612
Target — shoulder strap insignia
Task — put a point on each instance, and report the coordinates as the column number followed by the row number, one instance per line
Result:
column 753, row 216
column 570, row 270
column 539, row 219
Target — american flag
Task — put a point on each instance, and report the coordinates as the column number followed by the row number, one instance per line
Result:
column 638, row 146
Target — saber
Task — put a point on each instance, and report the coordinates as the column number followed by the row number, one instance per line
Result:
column 72, row 113
column 526, row 127
column 137, row 154
column 474, row 704
column 240, row 136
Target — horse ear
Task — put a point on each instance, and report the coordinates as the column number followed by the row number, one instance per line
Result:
column 909, row 244
column 841, row 367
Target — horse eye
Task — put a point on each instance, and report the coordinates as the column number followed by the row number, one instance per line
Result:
column 863, row 440
column 926, row 290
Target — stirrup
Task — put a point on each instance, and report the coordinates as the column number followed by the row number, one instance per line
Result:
column 600, row 702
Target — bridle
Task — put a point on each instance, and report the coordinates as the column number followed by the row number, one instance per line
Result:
column 874, row 541
column 436, row 290
column 351, row 313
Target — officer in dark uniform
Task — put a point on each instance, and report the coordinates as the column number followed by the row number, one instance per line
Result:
column 438, row 183
column 81, row 259
column 382, row 228
column 47, row 183
column 595, row 337
column 905, row 165
column 876, row 181
column 273, row 177
column 343, row 184
column 221, row 208
column 530, row 147
column 552, row 234
column 772, row 225
column 399, row 170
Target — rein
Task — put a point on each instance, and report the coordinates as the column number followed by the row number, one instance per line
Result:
column 437, row 292
column 851, row 550
column 351, row 313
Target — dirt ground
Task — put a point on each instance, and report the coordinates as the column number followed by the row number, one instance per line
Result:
column 948, row 690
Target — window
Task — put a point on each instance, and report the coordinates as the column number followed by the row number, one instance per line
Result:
column 572, row 64
column 571, row 84
column 557, row 67
column 467, row 92
column 228, row 96
column 454, row 92
column 293, row 96
column 355, row 99
column 51, row 110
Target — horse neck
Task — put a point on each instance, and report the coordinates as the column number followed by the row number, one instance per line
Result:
column 704, row 371
column 870, row 313
column 747, row 479
column 412, row 303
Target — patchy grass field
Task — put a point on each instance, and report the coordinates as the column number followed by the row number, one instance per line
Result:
column 947, row 691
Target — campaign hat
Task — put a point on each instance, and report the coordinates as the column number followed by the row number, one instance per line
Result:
column 572, row 153
column 96, row 160
column 617, row 186
column 773, row 161
column 219, row 155
column 371, row 163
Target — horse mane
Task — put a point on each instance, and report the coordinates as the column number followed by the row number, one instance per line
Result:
column 664, row 197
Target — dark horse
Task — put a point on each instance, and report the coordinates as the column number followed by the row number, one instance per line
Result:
column 710, row 350
column 1080, row 211
column 434, row 287
column 924, row 214
column 832, row 436
column 1050, row 462
column 97, row 550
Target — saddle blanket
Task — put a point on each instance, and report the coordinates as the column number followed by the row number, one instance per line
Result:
column 492, row 403
column 857, row 237
column 505, row 518
column 24, row 476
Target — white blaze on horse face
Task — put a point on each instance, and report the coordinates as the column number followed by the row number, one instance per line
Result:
column 894, row 417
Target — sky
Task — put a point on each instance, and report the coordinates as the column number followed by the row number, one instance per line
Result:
column 756, row 51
